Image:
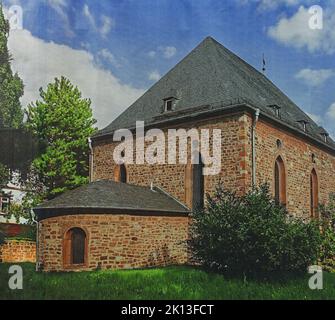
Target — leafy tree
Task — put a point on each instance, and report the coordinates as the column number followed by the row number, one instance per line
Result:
column 62, row 121
column 11, row 86
column 327, row 219
column 2, row 238
column 4, row 175
column 252, row 235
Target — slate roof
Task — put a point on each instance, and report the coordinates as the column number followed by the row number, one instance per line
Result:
column 106, row 196
column 213, row 78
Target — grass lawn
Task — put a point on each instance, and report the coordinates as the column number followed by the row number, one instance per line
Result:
column 163, row 283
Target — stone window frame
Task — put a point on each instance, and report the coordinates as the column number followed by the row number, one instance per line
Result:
column 314, row 192
column 117, row 173
column 169, row 104
column 189, row 182
column 282, row 196
column 66, row 247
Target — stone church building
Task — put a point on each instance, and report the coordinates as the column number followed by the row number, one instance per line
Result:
column 137, row 215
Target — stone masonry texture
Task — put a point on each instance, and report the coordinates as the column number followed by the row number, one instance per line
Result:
column 236, row 163
column 16, row 251
column 171, row 177
column 116, row 241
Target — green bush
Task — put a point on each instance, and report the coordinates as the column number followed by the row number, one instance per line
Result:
column 327, row 219
column 252, row 235
column 2, row 238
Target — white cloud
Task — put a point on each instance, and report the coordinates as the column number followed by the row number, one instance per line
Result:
column 38, row 62
column 108, row 56
column 87, row 13
column 57, row 3
column 264, row 5
column 315, row 78
column 154, row 75
column 331, row 112
column 330, row 119
column 60, row 6
column 107, row 23
column 271, row 4
column 152, row 54
column 168, row 52
column 295, row 31
column 326, row 120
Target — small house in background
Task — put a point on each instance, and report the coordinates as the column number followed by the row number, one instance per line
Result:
column 13, row 192
column 5, row 200
column 18, row 148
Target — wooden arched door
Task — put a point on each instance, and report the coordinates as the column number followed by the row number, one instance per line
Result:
column 75, row 247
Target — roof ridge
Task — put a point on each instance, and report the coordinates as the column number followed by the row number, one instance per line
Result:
column 211, row 72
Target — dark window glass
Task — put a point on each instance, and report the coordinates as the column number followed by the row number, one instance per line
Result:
column 277, row 183
column 78, row 241
column 198, row 185
column 169, row 105
column 123, row 174
column 314, row 193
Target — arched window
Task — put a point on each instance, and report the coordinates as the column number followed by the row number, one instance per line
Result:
column 314, row 193
column 195, row 184
column 120, row 174
column 123, row 174
column 75, row 247
column 280, row 182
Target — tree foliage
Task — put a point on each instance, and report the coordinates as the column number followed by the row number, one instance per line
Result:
column 4, row 175
column 250, row 234
column 327, row 219
column 2, row 238
column 11, row 86
column 62, row 121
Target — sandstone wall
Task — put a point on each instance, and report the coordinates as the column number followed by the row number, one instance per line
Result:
column 172, row 177
column 116, row 241
column 16, row 251
column 297, row 156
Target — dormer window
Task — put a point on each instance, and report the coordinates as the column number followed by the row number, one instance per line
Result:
column 304, row 124
column 169, row 104
column 276, row 109
column 325, row 136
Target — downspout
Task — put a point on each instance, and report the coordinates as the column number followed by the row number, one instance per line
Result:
column 38, row 263
column 91, row 159
column 37, row 248
column 253, row 146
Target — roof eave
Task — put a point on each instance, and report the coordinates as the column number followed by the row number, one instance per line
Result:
column 50, row 212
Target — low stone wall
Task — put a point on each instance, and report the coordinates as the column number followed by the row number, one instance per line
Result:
column 116, row 241
column 16, row 251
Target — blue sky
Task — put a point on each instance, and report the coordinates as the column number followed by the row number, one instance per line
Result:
column 129, row 44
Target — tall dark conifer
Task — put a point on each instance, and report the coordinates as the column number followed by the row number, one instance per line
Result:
column 11, row 86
